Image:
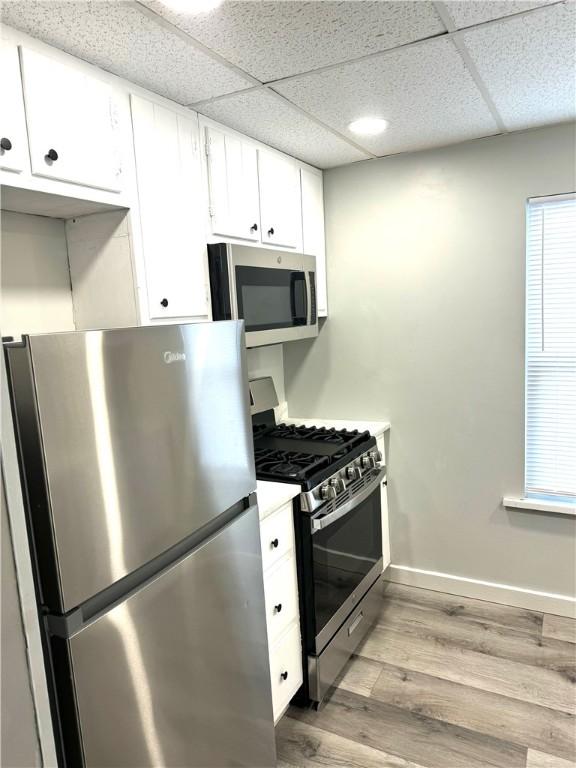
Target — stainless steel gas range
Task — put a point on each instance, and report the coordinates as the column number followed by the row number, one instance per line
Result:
column 338, row 529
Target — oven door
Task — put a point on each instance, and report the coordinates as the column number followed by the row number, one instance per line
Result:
column 346, row 556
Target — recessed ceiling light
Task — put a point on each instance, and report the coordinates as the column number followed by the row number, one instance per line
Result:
column 192, row 6
column 368, row 126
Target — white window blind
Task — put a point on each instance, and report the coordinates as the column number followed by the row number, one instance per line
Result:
column 551, row 348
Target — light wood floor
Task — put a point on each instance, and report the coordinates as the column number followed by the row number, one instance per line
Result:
column 446, row 682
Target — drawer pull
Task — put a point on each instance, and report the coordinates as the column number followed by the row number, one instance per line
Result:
column 51, row 156
column 355, row 623
column 274, row 543
column 284, row 675
column 278, row 608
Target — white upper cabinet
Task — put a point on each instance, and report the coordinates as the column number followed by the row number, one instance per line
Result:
column 72, row 124
column 168, row 169
column 13, row 139
column 313, row 230
column 280, row 213
column 232, row 186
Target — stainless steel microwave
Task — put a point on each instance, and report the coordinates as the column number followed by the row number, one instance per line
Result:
column 274, row 292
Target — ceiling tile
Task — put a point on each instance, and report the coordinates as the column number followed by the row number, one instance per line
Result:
column 117, row 37
column 465, row 13
column 268, row 118
column 276, row 39
column 425, row 92
column 528, row 66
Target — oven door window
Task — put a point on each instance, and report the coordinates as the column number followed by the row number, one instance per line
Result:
column 271, row 298
column 343, row 554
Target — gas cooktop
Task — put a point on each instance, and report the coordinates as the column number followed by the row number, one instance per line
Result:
column 288, row 453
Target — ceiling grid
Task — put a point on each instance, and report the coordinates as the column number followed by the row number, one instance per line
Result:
column 295, row 74
column 448, row 22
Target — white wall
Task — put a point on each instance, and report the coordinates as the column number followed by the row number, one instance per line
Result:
column 35, row 280
column 426, row 271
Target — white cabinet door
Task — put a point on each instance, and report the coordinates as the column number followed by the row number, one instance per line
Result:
column 72, row 123
column 384, row 503
column 169, row 191
column 280, row 207
column 313, row 231
column 233, row 186
column 13, row 139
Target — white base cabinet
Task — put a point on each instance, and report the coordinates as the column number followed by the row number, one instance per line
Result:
column 384, row 504
column 282, row 610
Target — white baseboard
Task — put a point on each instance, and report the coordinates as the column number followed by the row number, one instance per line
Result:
column 545, row 602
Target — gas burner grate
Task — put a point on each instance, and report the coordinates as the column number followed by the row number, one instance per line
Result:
column 344, row 437
column 295, row 465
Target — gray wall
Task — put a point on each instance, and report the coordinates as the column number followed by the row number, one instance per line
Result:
column 36, row 294
column 268, row 361
column 18, row 733
column 426, row 329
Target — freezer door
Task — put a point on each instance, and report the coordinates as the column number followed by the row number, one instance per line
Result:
column 178, row 674
column 146, row 437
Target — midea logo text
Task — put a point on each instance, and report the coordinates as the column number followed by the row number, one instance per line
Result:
column 174, row 357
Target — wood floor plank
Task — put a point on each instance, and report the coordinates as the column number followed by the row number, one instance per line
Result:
column 304, row 746
column 359, row 675
column 559, row 628
column 449, row 661
column 481, row 636
column 455, row 605
column 516, row 721
column 541, row 760
column 416, row 738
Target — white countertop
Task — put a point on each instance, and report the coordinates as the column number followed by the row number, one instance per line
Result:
column 272, row 496
column 375, row 428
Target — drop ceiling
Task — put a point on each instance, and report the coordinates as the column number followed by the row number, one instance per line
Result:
column 295, row 74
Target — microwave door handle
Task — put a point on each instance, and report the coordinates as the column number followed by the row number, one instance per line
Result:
column 321, row 522
column 297, row 277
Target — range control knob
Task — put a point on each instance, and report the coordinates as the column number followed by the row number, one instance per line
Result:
column 376, row 455
column 352, row 473
column 327, row 492
column 368, row 462
column 337, row 483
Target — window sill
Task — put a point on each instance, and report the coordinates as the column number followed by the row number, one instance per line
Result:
column 540, row 505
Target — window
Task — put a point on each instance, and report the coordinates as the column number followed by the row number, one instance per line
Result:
column 551, row 348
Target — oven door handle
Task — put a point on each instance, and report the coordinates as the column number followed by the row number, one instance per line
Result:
column 323, row 521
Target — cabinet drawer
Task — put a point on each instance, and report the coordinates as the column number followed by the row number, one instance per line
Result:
column 281, row 592
column 285, row 669
column 276, row 536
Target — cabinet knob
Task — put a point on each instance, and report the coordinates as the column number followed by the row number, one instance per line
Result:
column 278, row 608
column 270, row 231
column 51, row 155
column 164, row 302
column 5, row 144
column 274, row 543
column 254, row 228
column 284, row 675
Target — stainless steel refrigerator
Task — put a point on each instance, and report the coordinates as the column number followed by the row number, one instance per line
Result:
column 137, row 464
